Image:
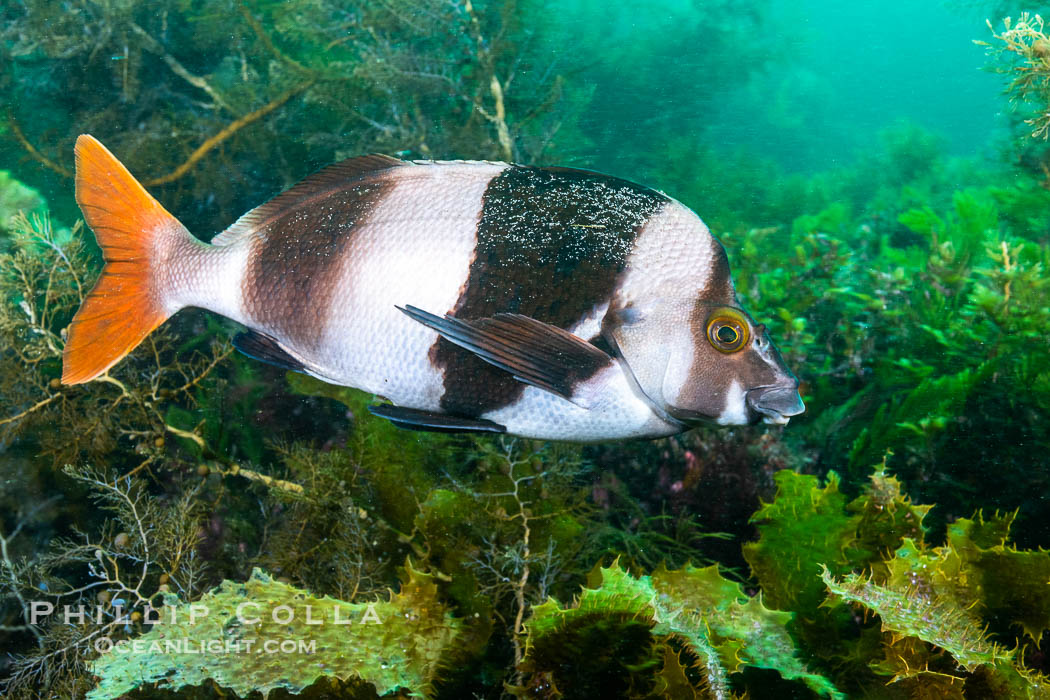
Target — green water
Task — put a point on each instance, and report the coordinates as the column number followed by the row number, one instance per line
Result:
column 885, row 209
column 855, row 69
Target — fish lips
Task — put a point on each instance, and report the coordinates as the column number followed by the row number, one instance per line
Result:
column 777, row 403
column 774, row 404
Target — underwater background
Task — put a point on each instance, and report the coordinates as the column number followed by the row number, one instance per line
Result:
column 879, row 173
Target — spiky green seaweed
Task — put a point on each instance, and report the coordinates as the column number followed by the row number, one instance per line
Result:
column 400, row 643
column 930, row 617
column 803, row 528
column 714, row 619
column 935, row 604
column 1013, row 586
column 945, row 596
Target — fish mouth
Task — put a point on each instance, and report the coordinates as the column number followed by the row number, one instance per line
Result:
column 777, row 403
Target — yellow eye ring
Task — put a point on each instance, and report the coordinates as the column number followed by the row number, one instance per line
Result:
column 727, row 330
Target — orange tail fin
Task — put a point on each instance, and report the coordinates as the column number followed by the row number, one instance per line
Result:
column 134, row 231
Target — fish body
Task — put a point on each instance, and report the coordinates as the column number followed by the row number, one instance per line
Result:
column 544, row 302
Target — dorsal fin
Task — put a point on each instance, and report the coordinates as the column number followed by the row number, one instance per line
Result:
column 322, row 181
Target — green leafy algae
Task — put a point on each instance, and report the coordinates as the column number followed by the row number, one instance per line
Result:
column 672, row 680
column 940, row 608
column 723, row 628
column 400, row 643
column 1010, row 585
column 920, row 416
column 887, row 516
column 946, row 597
column 803, row 528
column 932, row 618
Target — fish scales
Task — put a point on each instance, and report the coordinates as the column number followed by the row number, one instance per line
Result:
column 291, row 285
column 544, row 302
column 415, row 242
column 540, row 230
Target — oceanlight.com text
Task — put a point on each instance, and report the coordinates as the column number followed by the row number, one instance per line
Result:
column 206, row 646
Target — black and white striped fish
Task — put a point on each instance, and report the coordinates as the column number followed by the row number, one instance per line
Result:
column 543, row 302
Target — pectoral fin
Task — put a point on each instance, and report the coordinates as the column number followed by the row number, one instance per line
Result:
column 415, row 419
column 535, row 353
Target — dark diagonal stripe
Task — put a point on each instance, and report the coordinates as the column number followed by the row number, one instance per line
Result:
column 293, row 269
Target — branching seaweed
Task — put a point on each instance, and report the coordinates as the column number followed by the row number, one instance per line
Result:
column 45, row 277
column 1028, row 47
column 146, row 550
column 296, row 85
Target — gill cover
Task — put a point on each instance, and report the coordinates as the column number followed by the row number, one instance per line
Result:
column 651, row 343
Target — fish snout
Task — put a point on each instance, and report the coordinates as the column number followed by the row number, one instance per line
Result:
column 776, row 403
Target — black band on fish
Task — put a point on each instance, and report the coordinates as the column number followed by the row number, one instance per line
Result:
column 535, row 353
column 551, row 245
column 415, row 419
column 298, row 239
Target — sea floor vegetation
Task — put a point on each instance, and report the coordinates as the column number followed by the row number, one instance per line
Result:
column 890, row 543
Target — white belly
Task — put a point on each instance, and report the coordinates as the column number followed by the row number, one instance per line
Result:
column 617, row 413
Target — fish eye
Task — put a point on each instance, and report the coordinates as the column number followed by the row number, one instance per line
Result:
column 726, row 335
column 727, row 330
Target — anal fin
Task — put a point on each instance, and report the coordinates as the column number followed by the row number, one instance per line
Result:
column 266, row 349
column 534, row 352
column 416, row 419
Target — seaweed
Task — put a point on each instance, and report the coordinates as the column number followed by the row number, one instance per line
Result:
column 272, row 91
column 1022, row 49
column 949, row 597
column 391, row 644
column 46, row 275
column 752, row 561
column 710, row 617
column 145, row 549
